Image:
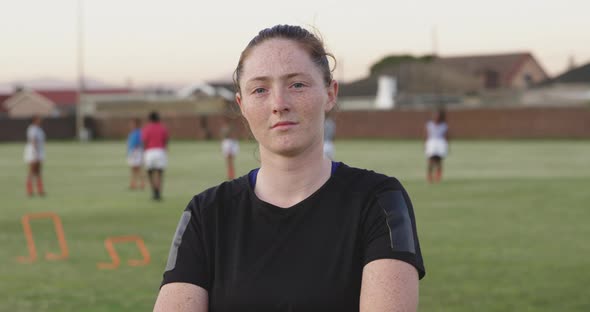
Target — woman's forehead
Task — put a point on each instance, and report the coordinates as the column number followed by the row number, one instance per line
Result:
column 276, row 57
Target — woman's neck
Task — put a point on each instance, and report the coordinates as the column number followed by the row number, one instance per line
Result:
column 286, row 181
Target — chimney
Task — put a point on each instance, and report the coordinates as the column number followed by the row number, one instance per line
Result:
column 387, row 88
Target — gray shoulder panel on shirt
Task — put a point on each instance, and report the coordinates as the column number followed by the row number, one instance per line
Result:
column 177, row 240
column 399, row 223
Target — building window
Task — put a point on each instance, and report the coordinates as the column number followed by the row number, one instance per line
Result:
column 492, row 79
column 528, row 80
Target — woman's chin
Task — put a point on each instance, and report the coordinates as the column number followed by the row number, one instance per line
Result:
column 285, row 149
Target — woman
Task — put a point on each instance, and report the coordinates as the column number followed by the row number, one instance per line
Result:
column 154, row 138
column 301, row 233
column 230, row 147
column 135, row 155
column 436, row 145
column 34, row 155
column 329, row 134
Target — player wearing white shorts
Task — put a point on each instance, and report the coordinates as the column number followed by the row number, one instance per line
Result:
column 34, row 154
column 156, row 159
column 154, row 137
column 230, row 149
column 135, row 155
column 436, row 145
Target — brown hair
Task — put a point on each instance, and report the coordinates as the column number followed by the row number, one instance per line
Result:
column 441, row 115
column 36, row 118
column 307, row 40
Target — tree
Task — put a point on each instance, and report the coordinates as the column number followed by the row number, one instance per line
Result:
column 392, row 60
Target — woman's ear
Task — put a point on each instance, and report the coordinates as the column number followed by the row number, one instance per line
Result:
column 239, row 101
column 332, row 95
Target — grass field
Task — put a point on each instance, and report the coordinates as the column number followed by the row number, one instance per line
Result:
column 507, row 230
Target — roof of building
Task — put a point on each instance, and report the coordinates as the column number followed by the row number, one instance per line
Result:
column 62, row 98
column 579, row 74
column 506, row 65
column 70, row 97
column 3, row 97
column 362, row 87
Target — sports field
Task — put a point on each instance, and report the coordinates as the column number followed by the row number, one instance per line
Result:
column 507, row 230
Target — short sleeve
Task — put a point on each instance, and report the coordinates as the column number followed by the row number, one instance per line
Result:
column 389, row 229
column 187, row 260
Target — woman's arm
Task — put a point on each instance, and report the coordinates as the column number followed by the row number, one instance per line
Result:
column 182, row 297
column 389, row 285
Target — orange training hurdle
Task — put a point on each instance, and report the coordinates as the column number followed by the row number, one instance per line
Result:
column 109, row 244
column 59, row 231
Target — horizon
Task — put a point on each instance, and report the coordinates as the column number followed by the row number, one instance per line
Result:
column 142, row 43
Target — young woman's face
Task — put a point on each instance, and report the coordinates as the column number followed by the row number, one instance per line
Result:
column 284, row 98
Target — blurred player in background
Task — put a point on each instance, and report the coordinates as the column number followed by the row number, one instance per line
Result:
column 436, row 145
column 34, row 155
column 154, row 137
column 329, row 134
column 230, row 148
column 135, row 155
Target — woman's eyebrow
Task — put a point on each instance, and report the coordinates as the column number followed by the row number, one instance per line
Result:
column 267, row 78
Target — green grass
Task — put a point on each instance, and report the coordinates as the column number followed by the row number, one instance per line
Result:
column 507, row 230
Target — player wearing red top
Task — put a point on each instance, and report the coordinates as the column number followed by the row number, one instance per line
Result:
column 154, row 137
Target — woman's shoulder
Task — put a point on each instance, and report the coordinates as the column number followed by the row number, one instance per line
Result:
column 214, row 196
column 365, row 179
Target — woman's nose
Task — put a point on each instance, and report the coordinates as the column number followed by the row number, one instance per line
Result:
column 280, row 102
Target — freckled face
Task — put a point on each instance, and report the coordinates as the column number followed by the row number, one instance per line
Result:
column 284, row 97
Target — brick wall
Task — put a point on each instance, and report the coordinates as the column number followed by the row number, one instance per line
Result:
column 197, row 127
column 499, row 123
column 58, row 128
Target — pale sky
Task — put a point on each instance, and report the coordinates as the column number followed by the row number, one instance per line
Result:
column 188, row 41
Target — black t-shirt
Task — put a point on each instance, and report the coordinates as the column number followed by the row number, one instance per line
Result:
column 251, row 255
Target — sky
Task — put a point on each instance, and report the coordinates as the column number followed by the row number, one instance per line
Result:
column 176, row 42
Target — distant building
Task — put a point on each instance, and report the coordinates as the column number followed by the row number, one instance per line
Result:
column 208, row 89
column 577, row 75
column 66, row 100
column 25, row 102
column 3, row 110
column 499, row 71
column 449, row 80
column 569, row 88
column 202, row 98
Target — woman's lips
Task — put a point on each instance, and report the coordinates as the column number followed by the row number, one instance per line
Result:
column 283, row 124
